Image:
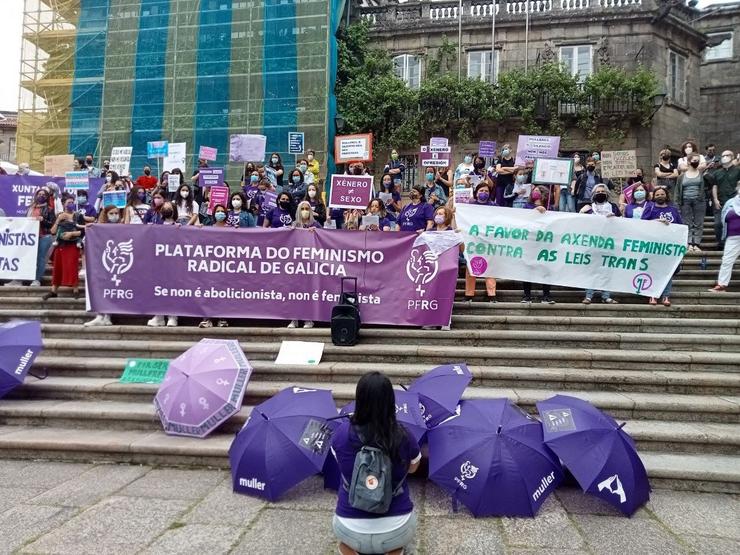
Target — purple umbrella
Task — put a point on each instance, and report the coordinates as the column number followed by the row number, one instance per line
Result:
column 490, row 457
column 599, row 454
column 203, row 387
column 285, row 440
column 408, row 413
column 440, row 391
column 20, row 343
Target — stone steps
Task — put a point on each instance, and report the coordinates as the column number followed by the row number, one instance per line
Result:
column 719, row 408
column 380, row 337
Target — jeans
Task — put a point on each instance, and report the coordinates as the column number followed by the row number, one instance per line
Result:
column 567, row 201
column 604, row 294
column 45, row 242
column 692, row 213
column 667, row 291
column 718, row 226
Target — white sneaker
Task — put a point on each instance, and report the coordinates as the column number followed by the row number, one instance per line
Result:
column 99, row 320
column 81, row 274
column 171, row 321
column 308, row 324
column 445, row 328
column 156, row 322
column 293, row 324
column 14, row 283
column 35, row 283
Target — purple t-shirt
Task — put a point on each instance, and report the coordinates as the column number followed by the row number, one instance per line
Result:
column 654, row 212
column 733, row 223
column 346, row 445
column 250, row 191
column 414, row 217
column 279, row 218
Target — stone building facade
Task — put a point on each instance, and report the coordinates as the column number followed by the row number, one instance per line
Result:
column 8, row 126
column 582, row 34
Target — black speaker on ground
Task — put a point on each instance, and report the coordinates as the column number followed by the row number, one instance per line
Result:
column 345, row 317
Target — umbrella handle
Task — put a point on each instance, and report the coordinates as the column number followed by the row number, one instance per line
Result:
column 403, row 387
column 338, row 417
column 46, row 374
column 622, row 425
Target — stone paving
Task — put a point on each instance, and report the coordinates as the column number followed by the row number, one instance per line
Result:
column 110, row 509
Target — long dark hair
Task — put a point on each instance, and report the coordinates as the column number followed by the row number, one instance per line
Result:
column 375, row 414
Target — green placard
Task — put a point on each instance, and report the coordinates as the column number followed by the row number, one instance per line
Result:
column 145, row 370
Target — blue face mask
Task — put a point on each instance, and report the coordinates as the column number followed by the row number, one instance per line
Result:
column 296, row 179
column 220, row 216
column 639, row 195
column 505, row 152
column 468, row 159
column 430, row 176
column 82, row 200
column 254, row 178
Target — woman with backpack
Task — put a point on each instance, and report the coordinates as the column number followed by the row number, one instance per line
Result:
column 368, row 447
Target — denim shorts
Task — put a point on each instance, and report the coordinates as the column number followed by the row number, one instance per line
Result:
column 377, row 543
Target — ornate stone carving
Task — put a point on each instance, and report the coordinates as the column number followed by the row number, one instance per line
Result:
column 548, row 53
column 602, row 50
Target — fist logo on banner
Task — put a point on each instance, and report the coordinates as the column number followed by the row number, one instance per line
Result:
column 118, row 259
column 421, row 268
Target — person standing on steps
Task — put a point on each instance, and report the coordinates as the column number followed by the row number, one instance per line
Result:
column 66, row 258
column 635, row 208
column 481, row 197
column 539, row 202
column 600, row 206
column 730, row 217
column 506, row 169
column 373, row 424
column 108, row 215
column 666, row 171
column 166, row 214
column 43, row 211
column 689, row 197
column 663, row 211
column 723, row 181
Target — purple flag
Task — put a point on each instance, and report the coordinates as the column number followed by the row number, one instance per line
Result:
column 281, row 274
column 17, row 191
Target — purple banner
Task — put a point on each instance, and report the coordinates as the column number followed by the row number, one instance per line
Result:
column 282, row 274
column 208, row 177
column 17, row 191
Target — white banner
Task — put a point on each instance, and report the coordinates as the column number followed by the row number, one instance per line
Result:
column 19, row 243
column 176, row 157
column 584, row 251
column 120, row 159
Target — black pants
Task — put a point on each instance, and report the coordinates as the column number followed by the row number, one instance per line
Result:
column 528, row 289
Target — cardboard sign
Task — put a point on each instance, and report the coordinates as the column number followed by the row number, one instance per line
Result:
column 58, row 165
column 77, row 180
column 296, row 141
column 351, row 191
column 353, row 147
column 219, row 195
column 143, row 370
column 487, row 149
column 176, row 157
column 18, row 250
column 300, row 352
column 247, row 148
column 209, row 177
column 207, row 153
column 531, row 147
column 114, row 198
column 120, row 159
column 618, row 163
column 434, row 156
column 552, row 171
column 157, row 149
column 173, row 182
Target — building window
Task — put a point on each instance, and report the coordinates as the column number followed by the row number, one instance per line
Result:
column 677, row 77
column 722, row 46
column 578, row 60
column 407, row 67
column 479, row 65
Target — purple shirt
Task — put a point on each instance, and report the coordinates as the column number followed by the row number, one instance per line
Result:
column 634, row 210
column 279, row 218
column 346, row 445
column 414, row 217
column 88, row 209
column 733, row 223
column 654, row 212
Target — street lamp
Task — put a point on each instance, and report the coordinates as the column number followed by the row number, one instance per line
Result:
column 658, row 101
column 339, row 123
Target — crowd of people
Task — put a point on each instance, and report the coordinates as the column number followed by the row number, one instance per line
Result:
column 274, row 195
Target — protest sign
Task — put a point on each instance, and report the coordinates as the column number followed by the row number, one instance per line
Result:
column 434, row 156
column 438, row 141
column 145, row 370
column 574, row 250
column 157, row 149
column 19, row 243
column 247, row 148
column 208, row 177
column 267, row 273
column 353, row 147
column 176, row 158
column 207, row 153
column 296, row 141
column 487, row 149
column 370, row 222
column 76, row 180
column 618, row 163
column 17, row 191
column 219, row 195
column 269, row 201
column 531, row 147
column 300, row 352
column 120, row 160
column 552, row 171
column 351, row 191
column 59, row 164
column 114, row 198
column 173, row 182
column 462, row 195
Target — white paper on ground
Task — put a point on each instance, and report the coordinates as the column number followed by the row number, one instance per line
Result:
column 300, row 352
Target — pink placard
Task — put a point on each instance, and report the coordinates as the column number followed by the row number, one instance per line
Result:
column 207, row 153
column 219, row 195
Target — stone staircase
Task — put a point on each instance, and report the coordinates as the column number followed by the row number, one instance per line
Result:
column 673, row 374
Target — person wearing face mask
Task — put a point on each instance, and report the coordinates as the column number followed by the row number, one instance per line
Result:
column 391, row 197
column 252, row 185
column 304, row 217
column 666, row 171
column 521, row 190
column 465, row 168
column 43, row 211
column 165, row 215
column 506, row 169
column 136, row 206
column 238, row 215
column 600, row 206
column 375, row 208
column 147, row 181
column 689, row 197
column 108, row 215
column 585, row 183
column 276, row 165
column 539, row 200
column 302, row 165
column 395, row 167
column 481, row 197
column 313, row 164
column 187, row 208
column 723, row 181
column 730, row 217
column 92, row 171
column 84, row 208
column 634, row 209
column 296, row 186
column 23, row 169
column 154, row 214
column 689, row 149
column 282, row 215
column 66, row 257
column 663, row 211
column 710, row 155
column 317, row 204
column 416, row 216
column 433, row 193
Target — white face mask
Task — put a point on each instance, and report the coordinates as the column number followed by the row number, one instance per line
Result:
column 726, row 159
column 311, row 193
column 236, row 203
column 184, row 194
